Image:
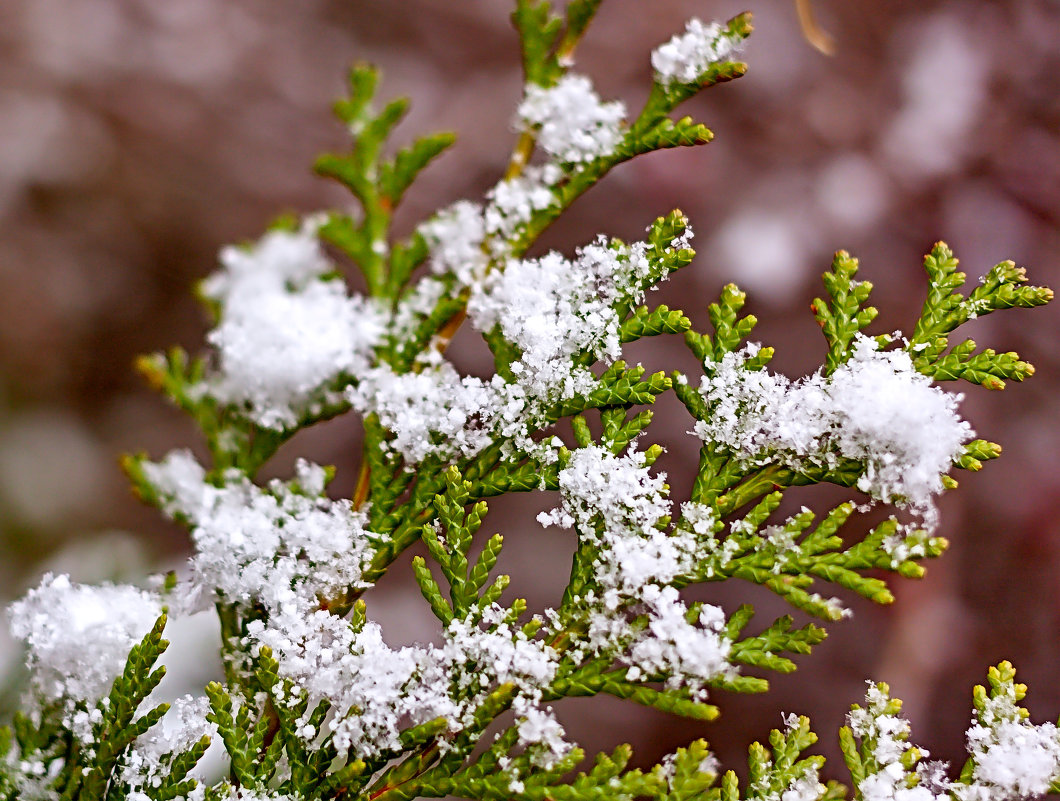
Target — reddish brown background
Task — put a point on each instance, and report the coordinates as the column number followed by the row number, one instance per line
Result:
column 137, row 137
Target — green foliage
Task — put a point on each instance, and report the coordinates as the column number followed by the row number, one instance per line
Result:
column 467, row 583
column 845, row 314
column 378, row 183
column 262, row 716
column 91, row 768
column 946, row 309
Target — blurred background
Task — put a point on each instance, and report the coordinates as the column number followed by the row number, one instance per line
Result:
column 136, row 138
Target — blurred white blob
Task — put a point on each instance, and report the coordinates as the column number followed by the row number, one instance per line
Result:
column 50, row 141
column 944, row 75
column 851, row 190
column 764, row 252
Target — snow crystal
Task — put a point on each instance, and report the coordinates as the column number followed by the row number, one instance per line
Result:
column 455, row 237
column 687, row 56
column 376, row 691
column 366, row 681
column 79, row 637
column 285, row 334
column 876, row 409
column 279, row 258
column 700, row 517
column 616, row 503
column 571, row 122
column 553, row 308
column 431, row 412
column 540, row 730
column 1015, row 759
column 686, row 654
column 890, row 732
column 279, row 545
column 806, row 787
column 513, row 201
column 415, row 306
column 622, row 493
column 146, row 763
column 500, row 652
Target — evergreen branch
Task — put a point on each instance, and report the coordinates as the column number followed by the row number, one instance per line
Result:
column 539, row 31
column 689, row 775
column 646, row 322
column 945, row 308
column 986, row 368
column 844, row 316
column 117, row 727
column 764, row 649
column 589, row 682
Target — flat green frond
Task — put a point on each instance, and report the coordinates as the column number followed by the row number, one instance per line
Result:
column 779, row 770
column 118, row 725
column 396, row 176
column 645, row 322
column 730, row 329
column 431, row 591
column 845, row 313
column 765, row 649
column 664, row 99
column 618, row 386
column 986, row 368
column 666, row 133
column 539, row 30
column 945, row 309
column 688, row 773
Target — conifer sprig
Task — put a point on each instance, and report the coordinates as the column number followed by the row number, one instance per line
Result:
column 314, row 702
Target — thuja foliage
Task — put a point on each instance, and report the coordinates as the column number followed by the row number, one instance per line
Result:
column 312, row 703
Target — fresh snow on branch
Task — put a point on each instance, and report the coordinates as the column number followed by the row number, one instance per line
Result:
column 875, row 409
column 311, row 701
column 570, row 121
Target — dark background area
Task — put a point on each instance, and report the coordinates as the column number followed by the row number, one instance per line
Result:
column 136, row 138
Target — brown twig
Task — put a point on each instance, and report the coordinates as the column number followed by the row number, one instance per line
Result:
column 815, row 35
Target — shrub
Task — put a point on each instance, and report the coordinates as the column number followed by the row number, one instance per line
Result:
column 313, row 703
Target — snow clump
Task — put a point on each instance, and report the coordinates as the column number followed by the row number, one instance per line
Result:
column 687, row 56
column 876, row 409
column 571, row 123
column 79, row 637
column 285, row 332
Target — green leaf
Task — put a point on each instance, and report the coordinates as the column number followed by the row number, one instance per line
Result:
column 431, row 591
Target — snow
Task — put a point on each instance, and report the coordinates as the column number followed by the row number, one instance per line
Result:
column 571, row 123
column 615, row 503
column 1013, row 759
column 676, row 650
column 287, row 331
column 687, row 56
column 432, row 412
column 146, row 763
column 875, row 409
column 79, row 637
column 455, row 236
column 514, row 201
column 376, row 691
column 280, row 545
column 553, row 308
